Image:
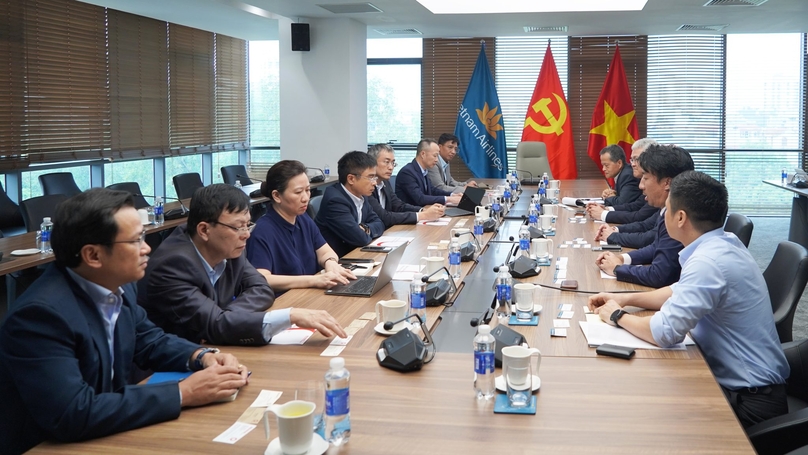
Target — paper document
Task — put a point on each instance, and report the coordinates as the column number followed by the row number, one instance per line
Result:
column 606, row 276
column 602, row 333
column 406, row 272
column 292, row 335
column 389, row 240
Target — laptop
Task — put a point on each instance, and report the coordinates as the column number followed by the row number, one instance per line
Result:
column 472, row 197
column 366, row 286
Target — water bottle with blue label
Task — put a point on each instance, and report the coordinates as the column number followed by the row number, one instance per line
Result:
column 417, row 298
column 533, row 217
column 478, row 232
column 454, row 258
column 524, row 240
column 326, row 171
column 337, row 403
column 484, row 348
column 45, row 235
column 504, row 285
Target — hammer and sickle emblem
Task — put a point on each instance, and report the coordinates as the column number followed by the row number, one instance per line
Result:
column 555, row 125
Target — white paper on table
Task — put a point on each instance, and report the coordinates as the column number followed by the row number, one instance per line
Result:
column 433, row 223
column 332, row 351
column 389, row 240
column 366, row 269
column 236, row 431
column 603, row 242
column 337, row 341
column 406, row 272
column 561, row 274
column 606, row 276
column 292, row 335
column 266, row 398
column 562, row 261
column 597, row 334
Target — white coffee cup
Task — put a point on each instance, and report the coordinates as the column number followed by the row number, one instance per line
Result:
column 431, row 264
column 463, row 237
column 518, row 372
column 482, row 212
column 295, row 425
column 551, row 209
column 525, row 296
column 546, row 221
column 391, row 310
column 554, row 184
column 541, row 248
column 144, row 216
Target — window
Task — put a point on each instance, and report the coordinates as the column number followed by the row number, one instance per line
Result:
column 221, row 160
column 32, row 188
column 140, row 171
column 180, row 165
column 265, row 126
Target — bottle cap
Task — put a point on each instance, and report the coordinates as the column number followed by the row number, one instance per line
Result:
column 337, row 363
column 46, row 219
column 484, row 329
column 503, row 268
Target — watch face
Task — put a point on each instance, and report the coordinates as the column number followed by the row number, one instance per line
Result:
column 616, row 316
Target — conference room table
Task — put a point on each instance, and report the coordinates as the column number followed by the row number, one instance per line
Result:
column 798, row 227
column 661, row 401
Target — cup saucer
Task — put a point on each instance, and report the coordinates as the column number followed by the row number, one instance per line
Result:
column 537, row 308
column 380, row 329
column 318, row 446
column 25, row 252
column 499, row 381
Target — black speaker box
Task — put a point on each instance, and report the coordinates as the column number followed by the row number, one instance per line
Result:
column 437, row 292
column 523, row 267
column 504, row 336
column 300, row 37
column 402, row 352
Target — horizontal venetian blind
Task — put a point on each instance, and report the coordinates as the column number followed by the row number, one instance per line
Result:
column 67, row 104
column 445, row 74
column 138, row 69
column 589, row 60
column 232, row 109
column 191, row 92
column 12, row 80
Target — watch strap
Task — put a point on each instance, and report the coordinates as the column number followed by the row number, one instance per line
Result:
column 198, row 360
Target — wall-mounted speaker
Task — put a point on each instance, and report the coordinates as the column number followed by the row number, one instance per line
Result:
column 300, row 37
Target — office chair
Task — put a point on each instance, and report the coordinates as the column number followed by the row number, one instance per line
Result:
column 11, row 222
column 186, row 184
column 59, row 183
column 786, row 277
column 531, row 156
column 36, row 208
column 787, row 432
column 314, row 206
column 230, row 175
column 392, row 182
column 741, row 226
column 132, row 188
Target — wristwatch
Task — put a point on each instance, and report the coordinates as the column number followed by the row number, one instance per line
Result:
column 616, row 315
column 198, row 361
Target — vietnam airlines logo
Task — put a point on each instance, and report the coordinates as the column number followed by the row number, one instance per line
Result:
column 554, row 125
column 490, row 119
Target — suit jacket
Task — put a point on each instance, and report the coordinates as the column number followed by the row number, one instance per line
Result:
column 55, row 375
column 395, row 211
column 637, row 234
column 413, row 188
column 177, row 294
column 443, row 180
column 337, row 221
column 627, row 187
column 633, row 211
column 662, row 258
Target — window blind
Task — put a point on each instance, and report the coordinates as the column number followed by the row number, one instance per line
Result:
column 12, row 83
column 232, row 109
column 190, row 85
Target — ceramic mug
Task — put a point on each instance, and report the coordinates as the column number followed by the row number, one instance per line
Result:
column 518, row 372
column 546, row 222
column 295, row 425
column 554, row 184
column 541, row 248
column 431, row 264
column 463, row 237
column 525, row 296
column 482, row 212
column 391, row 310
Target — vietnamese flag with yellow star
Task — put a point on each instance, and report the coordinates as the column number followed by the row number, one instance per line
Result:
column 548, row 120
column 613, row 121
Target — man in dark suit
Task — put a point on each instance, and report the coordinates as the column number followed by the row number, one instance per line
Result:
column 412, row 184
column 200, row 285
column 636, row 210
column 68, row 347
column 384, row 201
column 626, row 186
column 657, row 264
column 346, row 218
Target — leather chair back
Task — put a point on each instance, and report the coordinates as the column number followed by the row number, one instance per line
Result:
column 59, row 183
column 786, row 277
column 531, row 156
column 741, row 226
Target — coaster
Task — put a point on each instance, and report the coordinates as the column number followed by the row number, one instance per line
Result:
column 502, row 406
column 514, row 321
column 549, row 233
column 543, row 261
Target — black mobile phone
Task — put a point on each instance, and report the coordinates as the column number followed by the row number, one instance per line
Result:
column 607, row 248
column 376, row 249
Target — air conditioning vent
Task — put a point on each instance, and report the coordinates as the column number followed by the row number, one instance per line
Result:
column 701, row 28
column 552, row 29
column 398, row 31
column 735, row 2
column 351, row 8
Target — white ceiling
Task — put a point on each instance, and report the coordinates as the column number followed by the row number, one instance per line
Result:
column 230, row 17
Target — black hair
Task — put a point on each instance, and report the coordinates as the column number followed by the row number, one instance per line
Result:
column 424, row 144
column 665, row 161
column 278, row 176
column 354, row 163
column 209, row 202
column 616, row 153
column 87, row 218
column 446, row 137
column 703, row 198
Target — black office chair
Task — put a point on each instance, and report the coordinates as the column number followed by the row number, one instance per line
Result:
column 741, row 226
column 314, row 206
column 786, row 277
column 788, row 432
column 392, row 183
column 132, row 188
column 59, row 183
column 36, row 208
column 186, row 184
column 231, row 173
column 11, row 222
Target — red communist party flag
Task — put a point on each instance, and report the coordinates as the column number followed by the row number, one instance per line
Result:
column 613, row 121
column 548, row 120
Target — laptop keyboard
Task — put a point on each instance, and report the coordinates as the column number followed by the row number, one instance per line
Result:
column 362, row 285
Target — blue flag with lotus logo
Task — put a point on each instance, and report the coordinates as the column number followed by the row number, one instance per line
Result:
column 479, row 125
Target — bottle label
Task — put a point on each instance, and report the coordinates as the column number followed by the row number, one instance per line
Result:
column 454, row 258
column 417, row 300
column 533, row 219
column 45, row 235
column 158, row 210
column 503, row 292
column 495, row 206
column 478, row 229
column 513, row 186
column 524, row 244
column 483, row 362
column 337, row 402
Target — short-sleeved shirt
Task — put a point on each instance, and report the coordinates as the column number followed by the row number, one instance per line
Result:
column 283, row 248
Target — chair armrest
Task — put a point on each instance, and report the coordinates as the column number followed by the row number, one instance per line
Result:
column 781, row 434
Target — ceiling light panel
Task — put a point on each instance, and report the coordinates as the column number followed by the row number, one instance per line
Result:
column 529, row 6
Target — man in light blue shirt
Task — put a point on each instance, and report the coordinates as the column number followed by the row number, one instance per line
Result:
column 721, row 299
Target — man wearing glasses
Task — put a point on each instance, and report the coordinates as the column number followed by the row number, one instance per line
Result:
column 440, row 175
column 200, row 285
column 412, row 184
column 69, row 346
column 346, row 219
column 384, row 201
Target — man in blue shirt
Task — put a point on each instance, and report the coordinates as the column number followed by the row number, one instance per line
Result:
column 413, row 185
column 720, row 299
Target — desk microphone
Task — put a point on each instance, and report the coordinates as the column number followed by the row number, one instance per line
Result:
column 404, row 351
column 530, row 180
column 438, row 291
column 535, row 233
column 172, row 214
column 521, row 267
column 254, row 193
column 317, row 178
column 487, row 315
column 468, row 249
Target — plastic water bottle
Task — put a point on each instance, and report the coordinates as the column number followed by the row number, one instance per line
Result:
column 484, row 345
column 504, row 285
column 454, row 258
column 506, row 196
column 496, row 208
column 533, row 217
column 326, row 171
column 514, row 183
column 783, row 176
column 159, row 217
column 542, row 190
column 418, row 297
column 45, row 235
column 546, row 179
column 524, row 240
column 337, row 403
column 478, row 232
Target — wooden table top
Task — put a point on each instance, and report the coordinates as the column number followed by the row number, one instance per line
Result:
column 659, row 402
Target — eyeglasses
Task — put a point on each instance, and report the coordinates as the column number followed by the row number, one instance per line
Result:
column 138, row 241
column 371, row 178
column 240, row 230
column 390, row 163
column 634, row 160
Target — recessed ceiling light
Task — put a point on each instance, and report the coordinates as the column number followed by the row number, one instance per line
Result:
column 528, row 6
